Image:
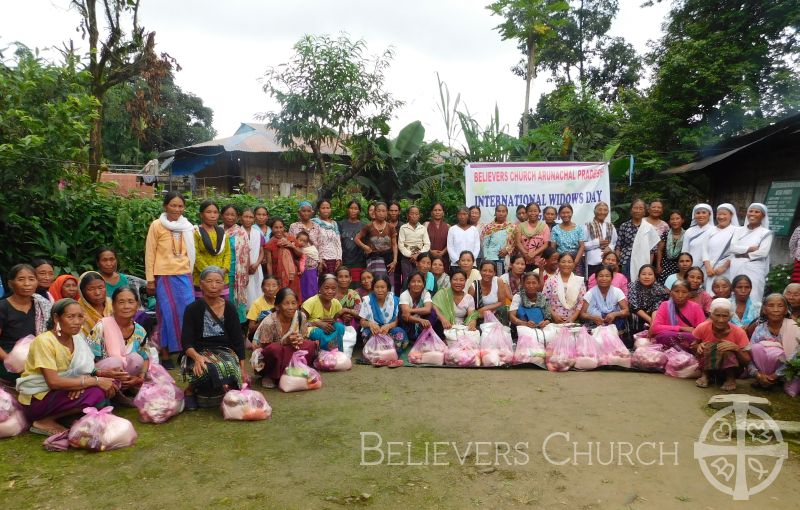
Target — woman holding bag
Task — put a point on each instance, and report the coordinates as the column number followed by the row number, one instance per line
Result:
column 380, row 315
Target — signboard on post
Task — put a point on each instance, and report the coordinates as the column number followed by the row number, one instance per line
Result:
column 581, row 185
column 781, row 201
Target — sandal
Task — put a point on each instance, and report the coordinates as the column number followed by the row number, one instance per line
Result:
column 395, row 364
column 728, row 386
column 45, row 432
column 380, row 363
column 701, row 383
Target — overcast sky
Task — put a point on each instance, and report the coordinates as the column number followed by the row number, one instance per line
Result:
column 224, row 47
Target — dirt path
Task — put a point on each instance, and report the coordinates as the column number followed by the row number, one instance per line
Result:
column 309, row 455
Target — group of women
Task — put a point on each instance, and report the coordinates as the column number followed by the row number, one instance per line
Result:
column 238, row 281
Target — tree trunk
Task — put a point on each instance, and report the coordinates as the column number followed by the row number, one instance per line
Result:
column 529, row 75
column 96, row 144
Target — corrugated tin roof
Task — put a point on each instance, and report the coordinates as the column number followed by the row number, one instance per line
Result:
column 252, row 137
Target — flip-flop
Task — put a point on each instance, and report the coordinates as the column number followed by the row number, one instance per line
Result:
column 44, row 432
column 379, row 363
column 699, row 384
column 395, row 364
column 725, row 387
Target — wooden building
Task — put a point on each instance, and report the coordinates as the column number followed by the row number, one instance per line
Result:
column 742, row 169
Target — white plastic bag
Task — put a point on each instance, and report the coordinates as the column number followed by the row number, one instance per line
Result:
column 349, row 340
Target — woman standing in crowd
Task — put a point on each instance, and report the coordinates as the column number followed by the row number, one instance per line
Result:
column 794, row 252
column 213, row 248
column 44, row 276
column 685, row 263
column 437, row 231
column 65, row 286
column 513, row 278
column 239, row 269
column 262, row 218
column 330, row 243
column 565, row 291
column 654, row 212
column 412, row 241
column 605, row 304
column 214, row 358
column 57, row 380
column 93, row 299
column 462, row 237
column 695, row 237
column 322, row 310
column 717, row 244
column 304, row 223
column 23, row 313
column 637, row 238
column 773, row 342
column 439, row 271
column 670, row 247
column 620, row 281
column 497, row 239
column 744, row 310
column 117, row 342
column 549, row 216
column 255, row 245
column 645, row 296
column 379, row 243
column 676, row 318
column 107, row 263
column 533, row 237
column 491, row 294
column 352, row 254
column 168, row 259
column 280, row 335
column 380, row 314
column 722, row 347
column 601, row 238
column 283, row 256
column 567, row 237
column 371, row 211
column 454, row 305
column 750, row 248
column 416, row 306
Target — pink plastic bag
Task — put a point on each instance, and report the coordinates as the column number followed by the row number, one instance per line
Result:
column 497, row 348
column 12, row 418
column 298, row 376
column 649, row 357
column 245, row 405
column 530, row 347
column 561, row 351
column 100, row 431
column 159, row 398
column 463, row 353
column 611, row 351
column 585, row 351
column 332, row 361
column 379, row 347
column 792, row 388
column 681, row 364
column 15, row 361
column 429, row 349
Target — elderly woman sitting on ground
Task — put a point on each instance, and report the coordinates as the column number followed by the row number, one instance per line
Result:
column 773, row 342
column 213, row 345
column 59, row 377
column 721, row 346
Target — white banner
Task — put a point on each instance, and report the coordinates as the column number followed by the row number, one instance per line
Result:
column 580, row 185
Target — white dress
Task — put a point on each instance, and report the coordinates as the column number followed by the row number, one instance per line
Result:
column 255, row 239
column 716, row 248
column 754, row 264
column 693, row 241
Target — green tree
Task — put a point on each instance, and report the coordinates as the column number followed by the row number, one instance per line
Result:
column 332, row 95
column 125, row 53
column 532, row 24
column 44, row 129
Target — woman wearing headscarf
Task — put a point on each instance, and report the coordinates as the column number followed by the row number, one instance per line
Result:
column 330, row 242
column 65, row 286
column 93, row 299
column 695, row 237
column 601, row 238
column 437, row 231
column 214, row 358
column 717, row 244
column 722, row 347
column 169, row 256
column 750, row 247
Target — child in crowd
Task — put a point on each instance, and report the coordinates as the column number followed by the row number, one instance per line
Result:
column 309, row 262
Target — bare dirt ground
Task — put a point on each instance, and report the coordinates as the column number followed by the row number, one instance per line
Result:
column 309, row 454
